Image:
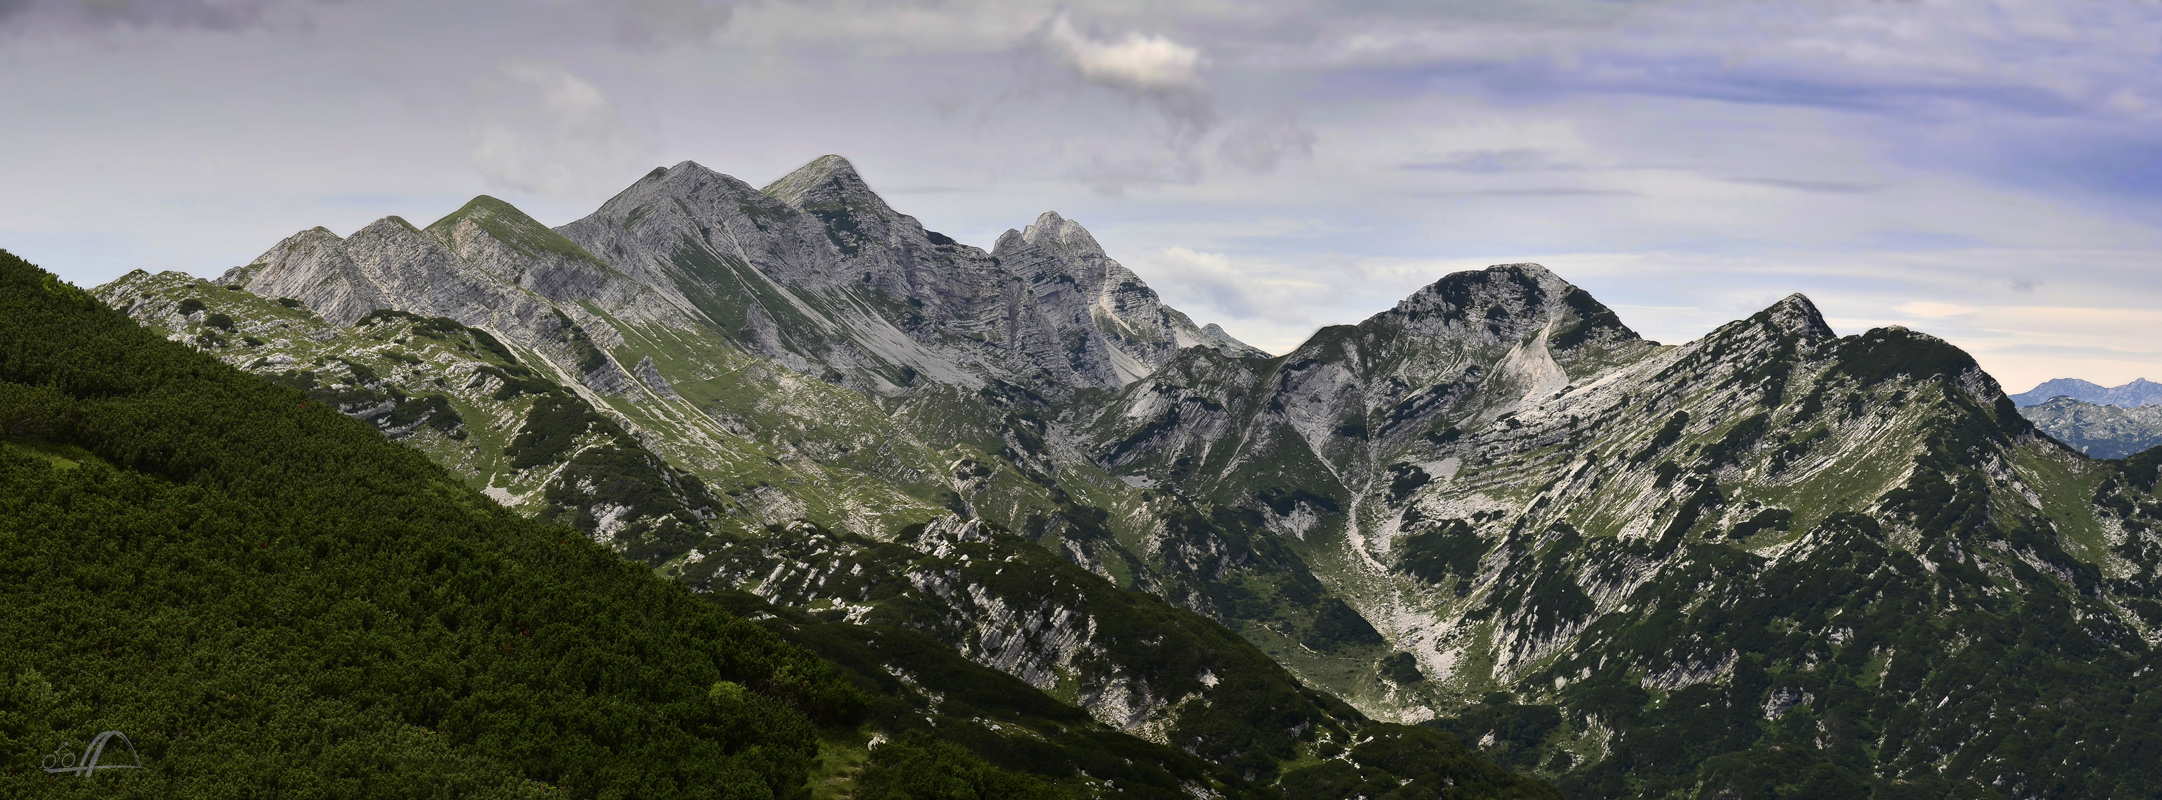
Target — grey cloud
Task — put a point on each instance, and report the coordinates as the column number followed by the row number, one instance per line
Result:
column 544, row 128
column 1114, row 177
column 1490, row 161
column 1537, row 191
column 666, row 22
column 216, row 15
column 1212, row 282
column 1259, row 146
column 1828, row 187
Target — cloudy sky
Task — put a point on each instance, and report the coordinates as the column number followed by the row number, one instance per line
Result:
column 1985, row 171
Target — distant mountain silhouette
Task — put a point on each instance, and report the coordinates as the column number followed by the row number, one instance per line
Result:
column 2141, row 392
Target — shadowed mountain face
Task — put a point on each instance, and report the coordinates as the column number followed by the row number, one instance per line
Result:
column 2141, row 392
column 1774, row 561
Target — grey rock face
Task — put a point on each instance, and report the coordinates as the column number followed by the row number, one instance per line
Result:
column 654, row 380
column 1080, row 293
column 816, row 271
column 314, row 267
column 431, row 385
column 1470, row 348
column 486, row 266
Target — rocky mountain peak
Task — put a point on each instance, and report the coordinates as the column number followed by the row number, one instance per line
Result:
column 687, row 194
column 1055, row 245
column 1216, row 333
column 483, row 208
column 1051, row 233
column 828, row 180
column 1797, row 316
column 1052, row 230
column 685, row 180
column 506, row 224
column 391, row 228
column 388, row 223
column 1519, row 285
column 1505, row 302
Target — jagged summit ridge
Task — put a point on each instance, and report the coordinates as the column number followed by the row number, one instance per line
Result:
column 1052, row 231
column 487, row 265
column 815, row 271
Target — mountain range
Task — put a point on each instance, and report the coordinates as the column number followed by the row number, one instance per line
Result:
column 1775, row 561
column 2140, row 392
column 2100, row 421
column 244, row 590
column 2101, row 431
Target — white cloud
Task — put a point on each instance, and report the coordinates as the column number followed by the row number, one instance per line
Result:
column 1138, row 62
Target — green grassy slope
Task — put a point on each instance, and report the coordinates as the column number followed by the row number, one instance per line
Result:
column 483, row 410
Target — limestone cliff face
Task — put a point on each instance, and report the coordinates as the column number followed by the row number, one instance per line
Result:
column 1468, row 349
column 815, row 271
column 1078, row 294
column 818, row 272
column 487, row 266
column 456, row 394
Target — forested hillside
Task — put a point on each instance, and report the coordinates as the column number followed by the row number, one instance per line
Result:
column 268, row 597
